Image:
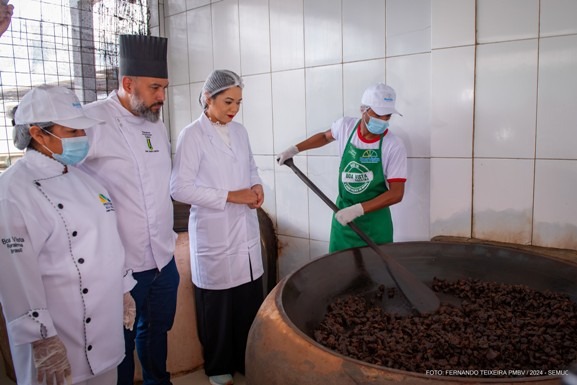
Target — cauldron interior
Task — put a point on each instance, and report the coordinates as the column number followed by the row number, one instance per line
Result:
column 309, row 290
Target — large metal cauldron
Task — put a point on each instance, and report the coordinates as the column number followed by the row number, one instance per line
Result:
column 281, row 351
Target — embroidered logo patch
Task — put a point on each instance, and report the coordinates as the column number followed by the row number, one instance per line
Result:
column 370, row 156
column 148, row 136
column 14, row 243
column 356, row 177
column 106, row 202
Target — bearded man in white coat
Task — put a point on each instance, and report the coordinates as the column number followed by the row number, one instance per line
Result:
column 131, row 156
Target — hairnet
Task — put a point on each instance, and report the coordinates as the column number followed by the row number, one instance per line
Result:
column 217, row 81
column 21, row 133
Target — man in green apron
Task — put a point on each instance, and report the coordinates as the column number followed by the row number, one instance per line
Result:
column 372, row 172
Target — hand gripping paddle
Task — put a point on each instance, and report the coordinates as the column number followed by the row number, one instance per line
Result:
column 417, row 293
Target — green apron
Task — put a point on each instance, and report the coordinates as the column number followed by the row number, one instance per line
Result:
column 361, row 178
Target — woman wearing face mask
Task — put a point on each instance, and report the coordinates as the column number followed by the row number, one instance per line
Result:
column 61, row 259
column 214, row 171
column 372, row 172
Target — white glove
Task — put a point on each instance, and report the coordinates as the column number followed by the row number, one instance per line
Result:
column 51, row 362
column 348, row 214
column 129, row 311
column 287, row 154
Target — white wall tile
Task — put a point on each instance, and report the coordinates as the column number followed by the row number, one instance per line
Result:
column 558, row 17
column 195, row 108
column 555, row 223
column 452, row 102
column 410, row 76
column 503, row 200
column 318, row 249
column 294, row 254
column 173, row 7
column 364, row 32
column 408, row 26
column 556, row 133
column 323, row 32
column 411, row 216
column 324, row 102
column 292, row 206
column 177, row 62
column 191, row 4
column 179, row 110
column 323, row 171
column 505, row 99
column 266, row 170
column 288, row 99
column 451, row 197
column 453, row 23
column 503, row 20
column 286, row 34
column 156, row 13
column 254, row 36
column 200, row 60
column 225, row 35
column 357, row 77
column 257, row 113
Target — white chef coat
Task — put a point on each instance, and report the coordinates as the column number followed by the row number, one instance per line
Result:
column 224, row 237
column 130, row 156
column 61, row 266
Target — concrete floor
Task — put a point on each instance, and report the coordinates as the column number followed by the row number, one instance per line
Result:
column 195, row 378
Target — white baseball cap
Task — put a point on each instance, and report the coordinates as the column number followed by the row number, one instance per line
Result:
column 381, row 98
column 54, row 104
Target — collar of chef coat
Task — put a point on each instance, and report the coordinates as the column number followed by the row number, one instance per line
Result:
column 125, row 114
column 209, row 130
column 41, row 161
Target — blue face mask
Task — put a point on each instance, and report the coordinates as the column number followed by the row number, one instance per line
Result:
column 73, row 149
column 377, row 126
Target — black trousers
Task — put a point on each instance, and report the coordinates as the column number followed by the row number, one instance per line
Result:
column 224, row 318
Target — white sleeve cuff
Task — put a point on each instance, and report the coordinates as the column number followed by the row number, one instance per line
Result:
column 35, row 325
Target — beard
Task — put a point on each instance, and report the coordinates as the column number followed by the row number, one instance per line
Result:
column 141, row 109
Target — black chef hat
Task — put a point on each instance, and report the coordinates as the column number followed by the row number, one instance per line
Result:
column 141, row 55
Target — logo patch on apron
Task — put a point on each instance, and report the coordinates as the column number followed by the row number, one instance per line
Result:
column 356, row 177
column 370, row 156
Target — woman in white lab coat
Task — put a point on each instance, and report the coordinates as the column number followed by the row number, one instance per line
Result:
column 214, row 171
column 61, row 259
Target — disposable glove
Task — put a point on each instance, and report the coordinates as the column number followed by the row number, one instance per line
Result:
column 51, row 361
column 287, row 154
column 129, row 311
column 348, row 214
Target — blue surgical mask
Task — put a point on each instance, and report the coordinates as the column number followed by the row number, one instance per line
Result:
column 73, row 149
column 377, row 126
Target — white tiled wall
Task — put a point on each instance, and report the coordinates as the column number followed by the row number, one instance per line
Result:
column 557, row 91
column 503, row 199
column 506, row 99
column 506, row 20
column 487, row 89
